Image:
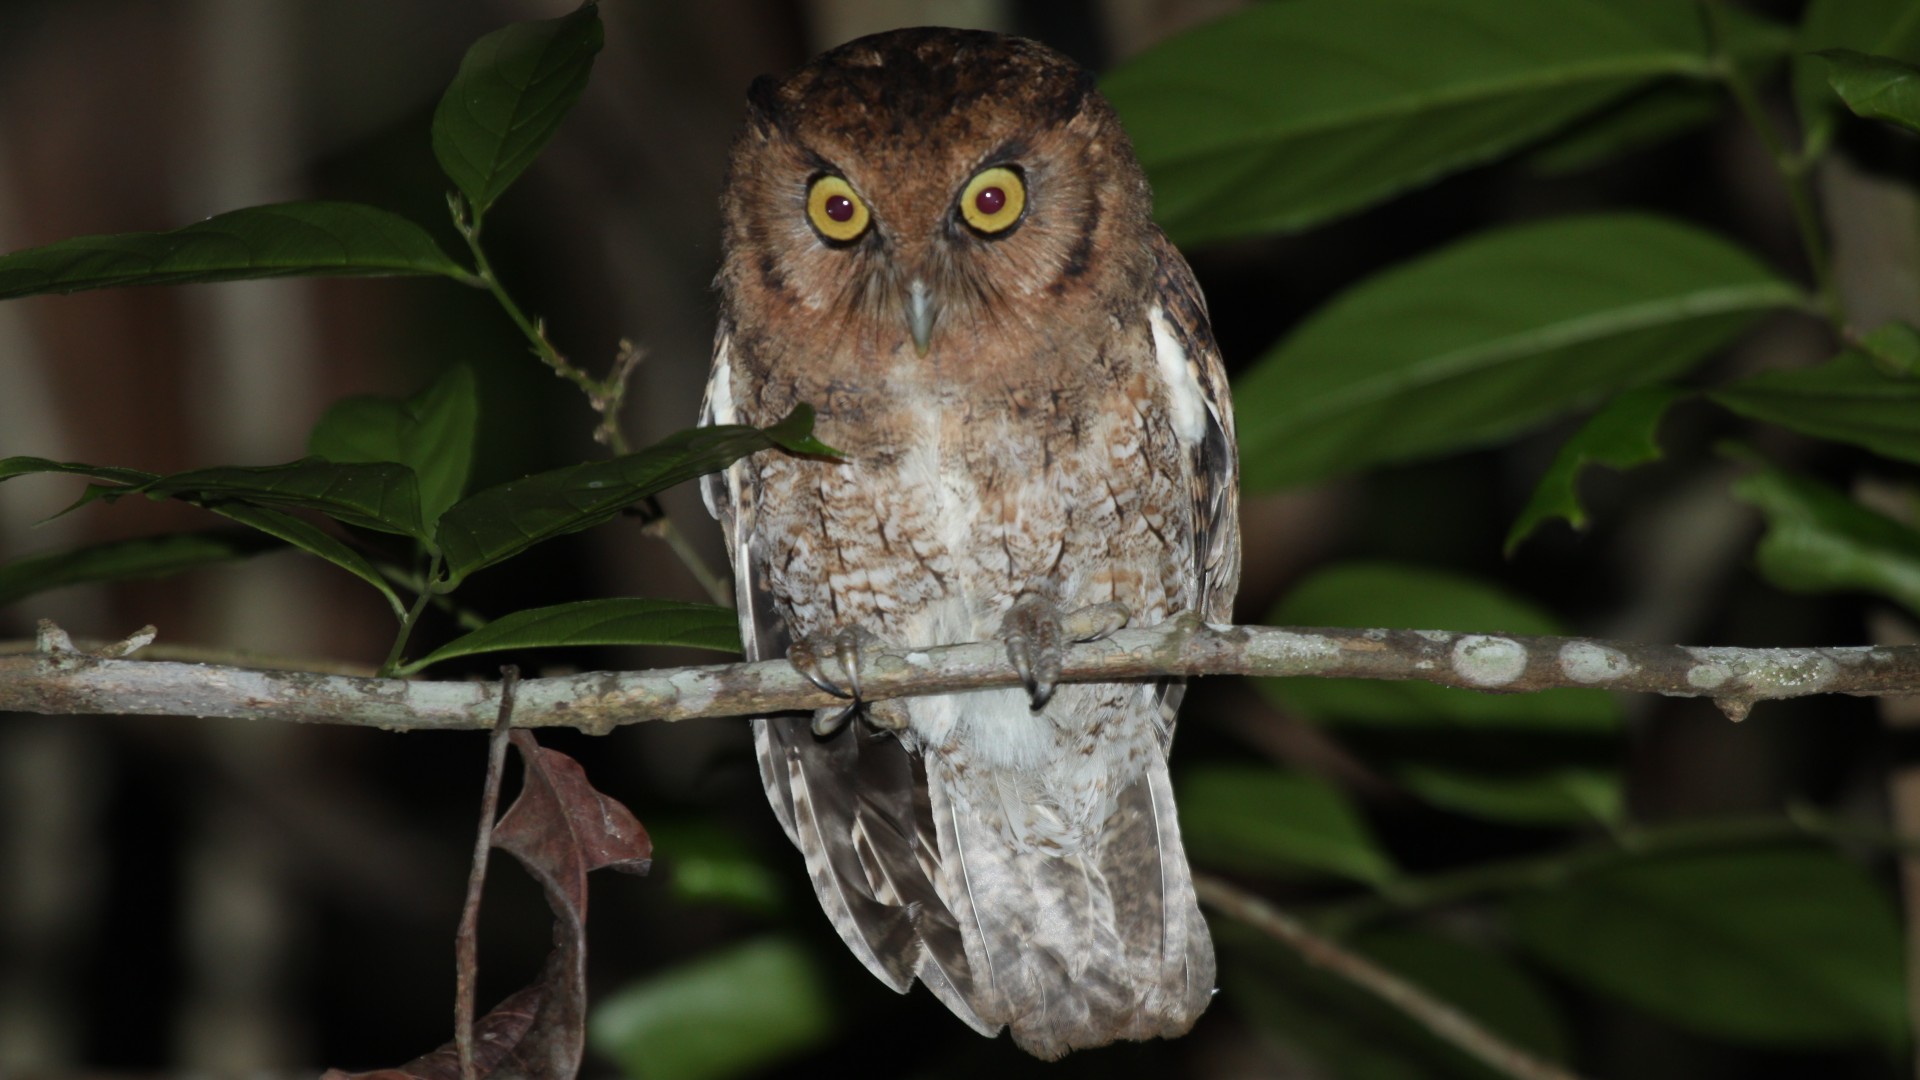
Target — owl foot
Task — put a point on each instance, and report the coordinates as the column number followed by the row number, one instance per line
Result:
column 1096, row 622
column 1037, row 636
column 1037, row 645
column 832, row 718
column 845, row 647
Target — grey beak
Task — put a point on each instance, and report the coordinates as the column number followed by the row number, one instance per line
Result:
column 920, row 314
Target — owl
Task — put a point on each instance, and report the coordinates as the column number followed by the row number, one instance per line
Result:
column 942, row 241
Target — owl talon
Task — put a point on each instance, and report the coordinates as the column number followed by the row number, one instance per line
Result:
column 804, row 655
column 847, row 648
column 1036, row 644
column 847, row 645
column 832, row 718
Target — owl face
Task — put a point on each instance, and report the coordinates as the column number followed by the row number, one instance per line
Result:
column 911, row 190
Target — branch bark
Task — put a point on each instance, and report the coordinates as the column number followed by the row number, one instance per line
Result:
column 59, row 679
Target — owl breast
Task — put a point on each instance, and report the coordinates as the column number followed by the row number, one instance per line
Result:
column 1062, row 477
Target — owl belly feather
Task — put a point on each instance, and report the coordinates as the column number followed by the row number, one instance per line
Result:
column 948, row 515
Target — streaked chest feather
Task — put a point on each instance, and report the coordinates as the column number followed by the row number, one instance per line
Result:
column 955, row 500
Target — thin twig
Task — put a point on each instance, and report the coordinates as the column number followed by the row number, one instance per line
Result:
column 65, row 682
column 611, row 393
column 604, row 396
column 1791, row 166
column 466, row 942
column 407, row 624
column 717, row 588
column 1438, row 1017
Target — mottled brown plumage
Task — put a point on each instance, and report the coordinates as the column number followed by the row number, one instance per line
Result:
column 1034, row 420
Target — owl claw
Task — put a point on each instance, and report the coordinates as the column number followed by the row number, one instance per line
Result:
column 847, row 645
column 1036, row 637
column 846, row 649
column 1036, row 644
column 804, row 655
column 832, row 718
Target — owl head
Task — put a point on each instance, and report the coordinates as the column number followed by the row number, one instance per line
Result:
column 911, row 191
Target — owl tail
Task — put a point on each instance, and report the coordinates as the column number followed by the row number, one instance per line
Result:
column 1074, row 950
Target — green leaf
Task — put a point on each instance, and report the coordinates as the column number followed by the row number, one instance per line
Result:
column 285, row 240
column 1355, row 1036
column 1895, row 346
column 1268, row 119
column 1887, row 28
column 1620, row 436
column 28, row 466
column 127, row 560
column 1847, row 399
column 704, row 863
column 1818, row 540
column 629, row 621
column 1662, row 113
column 726, row 1014
column 1547, row 786
column 1789, row 947
column 246, row 495
column 313, row 540
column 1876, row 87
column 501, row 522
column 431, row 433
column 1533, row 758
column 513, row 88
column 1489, row 337
column 1263, row 821
column 382, row 496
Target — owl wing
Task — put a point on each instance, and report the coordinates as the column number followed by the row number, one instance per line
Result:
column 856, row 805
column 1215, row 456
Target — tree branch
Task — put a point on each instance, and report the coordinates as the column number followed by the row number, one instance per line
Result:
column 61, row 679
column 1442, row 1019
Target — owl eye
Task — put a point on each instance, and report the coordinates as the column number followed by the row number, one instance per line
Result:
column 836, row 212
column 994, row 200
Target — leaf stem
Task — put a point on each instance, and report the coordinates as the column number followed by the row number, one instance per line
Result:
column 534, row 330
column 464, row 618
column 391, row 666
column 605, row 396
column 1793, row 167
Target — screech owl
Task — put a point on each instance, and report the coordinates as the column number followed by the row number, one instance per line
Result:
column 942, row 241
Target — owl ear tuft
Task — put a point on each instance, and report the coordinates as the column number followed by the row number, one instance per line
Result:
column 1069, row 104
column 763, row 104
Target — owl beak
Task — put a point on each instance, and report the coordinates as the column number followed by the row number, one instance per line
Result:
column 921, row 311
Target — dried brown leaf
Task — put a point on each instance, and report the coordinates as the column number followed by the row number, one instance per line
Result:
column 561, row 829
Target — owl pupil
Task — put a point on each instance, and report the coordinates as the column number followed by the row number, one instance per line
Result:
column 839, row 208
column 990, row 200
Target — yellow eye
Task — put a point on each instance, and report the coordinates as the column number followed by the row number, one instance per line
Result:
column 994, row 200
column 835, row 210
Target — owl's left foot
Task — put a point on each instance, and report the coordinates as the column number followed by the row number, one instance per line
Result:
column 845, row 647
column 1037, row 636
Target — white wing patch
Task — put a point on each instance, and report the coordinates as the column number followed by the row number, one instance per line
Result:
column 1184, row 398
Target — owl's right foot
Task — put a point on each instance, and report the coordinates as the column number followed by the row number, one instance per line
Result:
column 1037, row 635
column 845, row 647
